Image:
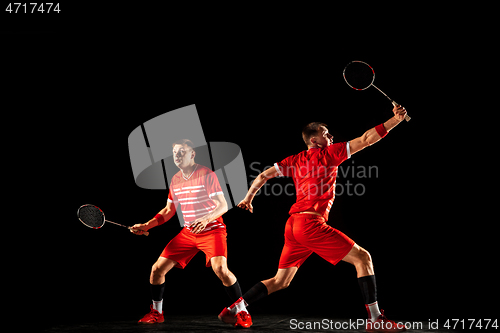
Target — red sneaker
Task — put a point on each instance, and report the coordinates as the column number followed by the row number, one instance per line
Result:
column 382, row 324
column 227, row 317
column 243, row 319
column 152, row 317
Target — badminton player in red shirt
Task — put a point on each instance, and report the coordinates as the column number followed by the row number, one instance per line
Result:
column 197, row 190
column 314, row 172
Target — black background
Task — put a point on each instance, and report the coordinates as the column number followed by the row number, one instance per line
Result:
column 75, row 86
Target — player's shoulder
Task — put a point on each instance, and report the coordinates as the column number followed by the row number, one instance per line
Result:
column 296, row 157
column 203, row 170
column 337, row 152
column 336, row 147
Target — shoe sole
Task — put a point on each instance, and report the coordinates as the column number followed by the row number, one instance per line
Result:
column 228, row 321
column 150, row 322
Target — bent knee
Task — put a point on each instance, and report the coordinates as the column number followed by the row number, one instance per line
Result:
column 365, row 257
column 158, row 270
column 221, row 270
column 155, row 270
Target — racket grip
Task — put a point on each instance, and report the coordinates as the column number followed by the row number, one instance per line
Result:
column 145, row 233
column 407, row 117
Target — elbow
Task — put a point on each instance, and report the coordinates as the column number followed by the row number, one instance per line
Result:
column 166, row 212
column 259, row 181
column 365, row 141
column 262, row 179
column 224, row 207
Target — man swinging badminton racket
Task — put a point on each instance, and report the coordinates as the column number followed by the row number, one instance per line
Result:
column 314, row 172
column 197, row 189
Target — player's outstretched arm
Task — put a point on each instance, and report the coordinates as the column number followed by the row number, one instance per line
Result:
column 261, row 179
column 166, row 213
column 373, row 135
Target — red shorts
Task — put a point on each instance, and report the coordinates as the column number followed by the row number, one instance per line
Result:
column 308, row 233
column 183, row 247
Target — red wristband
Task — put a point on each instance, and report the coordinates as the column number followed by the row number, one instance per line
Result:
column 160, row 219
column 381, row 130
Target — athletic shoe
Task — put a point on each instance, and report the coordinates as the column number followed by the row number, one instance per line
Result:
column 227, row 317
column 382, row 324
column 152, row 317
column 243, row 319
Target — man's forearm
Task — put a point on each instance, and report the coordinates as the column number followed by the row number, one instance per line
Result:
column 373, row 135
column 220, row 210
column 165, row 213
column 391, row 123
column 256, row 185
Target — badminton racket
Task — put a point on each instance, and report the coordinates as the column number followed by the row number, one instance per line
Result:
column 360, row 76
column 93, row 217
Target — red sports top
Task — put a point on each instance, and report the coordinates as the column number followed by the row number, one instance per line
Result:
column 195, row 194
column 314, row 173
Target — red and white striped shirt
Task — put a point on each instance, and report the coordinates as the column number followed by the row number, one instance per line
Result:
column 195, row 194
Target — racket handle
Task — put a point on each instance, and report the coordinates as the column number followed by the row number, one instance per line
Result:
column 407, row 117
column 145, row 233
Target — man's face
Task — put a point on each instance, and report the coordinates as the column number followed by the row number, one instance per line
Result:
column 183, row 155
column 323, row 139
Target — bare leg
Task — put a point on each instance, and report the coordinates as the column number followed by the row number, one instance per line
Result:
column 281, row 280
column 161, row 267
column 219, row 265
column 361, row 259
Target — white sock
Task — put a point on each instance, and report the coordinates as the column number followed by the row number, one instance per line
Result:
column 373, row 311
column 238, row 306
column 158, row 306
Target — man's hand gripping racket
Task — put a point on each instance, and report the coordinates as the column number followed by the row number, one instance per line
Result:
column 139, row 229
column 399, row 112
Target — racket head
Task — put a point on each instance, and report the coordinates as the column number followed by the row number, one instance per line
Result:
column 359, row 75
column 92, row 216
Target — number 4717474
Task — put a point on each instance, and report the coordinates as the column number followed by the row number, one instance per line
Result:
column 32, row 7
column 470, row 323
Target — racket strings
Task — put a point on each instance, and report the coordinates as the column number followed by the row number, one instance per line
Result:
column 359, row 75
column 91, row 216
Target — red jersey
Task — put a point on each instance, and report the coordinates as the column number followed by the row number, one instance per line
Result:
column 195, row 194
column 314, row 173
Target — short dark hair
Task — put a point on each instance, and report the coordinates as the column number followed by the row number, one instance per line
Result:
column 311, row 130
column 186, row 142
